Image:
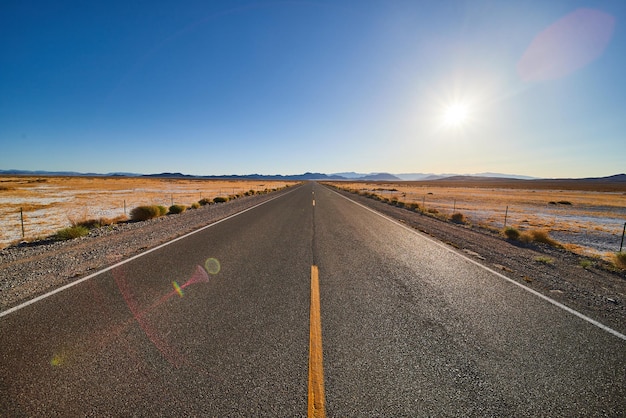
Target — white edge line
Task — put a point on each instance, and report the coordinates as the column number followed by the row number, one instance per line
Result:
column 508, row 279
column 92, row 275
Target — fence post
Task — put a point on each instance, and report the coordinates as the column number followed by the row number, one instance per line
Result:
column 124, row 207
column 22, row 221
column 622, row 243
column 506, row 214
column 454, row 206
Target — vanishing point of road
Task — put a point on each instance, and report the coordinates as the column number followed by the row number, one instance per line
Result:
column 308, row 304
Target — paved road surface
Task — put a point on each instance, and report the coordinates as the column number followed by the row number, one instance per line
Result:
column 217, row 324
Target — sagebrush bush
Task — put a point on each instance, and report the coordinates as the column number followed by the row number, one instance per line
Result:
column 620, row 260
column 542, row 236
column 71, row 232
column 412, row 206
column 220, row 199
column 89, row 223
column 458, row 218
column 195, row 205
column 97, row 223
column 174, row 209
column 511, row 233
column 162, row 210
column 143, row 213
column 205, row 201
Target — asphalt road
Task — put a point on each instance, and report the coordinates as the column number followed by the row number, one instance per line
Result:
column 217, row 324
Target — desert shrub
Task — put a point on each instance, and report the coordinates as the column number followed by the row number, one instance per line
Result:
column 195, row 205
column 433, row 211
column 97, row 223
column 586, row 263
column 542, row 236
column 412, row 206
column 620, row 260
column 565, row 202
column 89, row 223
column 143, row 213
column 205, row 201
column 544, row 259
column 458, row 218
column 174, row 209
column 220, row 199
column 71, row 232
column 118, row 219
column 162, row 210
column 525, row 237
column 393, row 201
column 511, row 233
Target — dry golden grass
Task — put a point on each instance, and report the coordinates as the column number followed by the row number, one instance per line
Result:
column 620, row 260
column 51, row 203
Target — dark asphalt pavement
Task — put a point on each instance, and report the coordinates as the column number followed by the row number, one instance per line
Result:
column 409, row 328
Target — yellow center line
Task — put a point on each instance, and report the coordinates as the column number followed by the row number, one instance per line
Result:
column 316, row 366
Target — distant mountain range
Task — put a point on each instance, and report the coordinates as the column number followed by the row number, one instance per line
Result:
column 493, row 177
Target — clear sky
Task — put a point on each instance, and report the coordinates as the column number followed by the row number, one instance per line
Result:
column 283, row 87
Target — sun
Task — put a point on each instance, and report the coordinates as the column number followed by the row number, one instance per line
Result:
column 455, row 115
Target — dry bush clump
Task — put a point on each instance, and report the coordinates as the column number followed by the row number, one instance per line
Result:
column 91, row 223
column 143, row 213
column 174, row 209
column 511, row 233
column 620, row 260
column 539, row 235
column 205, row 201
column 71, row 232
column 458, row 218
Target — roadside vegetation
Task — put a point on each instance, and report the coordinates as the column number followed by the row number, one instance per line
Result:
column 620, row 260
column 80, row 228
column 175, row 209
column 71, row 233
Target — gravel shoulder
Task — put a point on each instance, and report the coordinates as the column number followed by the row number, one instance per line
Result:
column 30, row 270
column 595, row 291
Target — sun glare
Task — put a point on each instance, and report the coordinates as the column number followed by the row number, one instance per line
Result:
column 455, row 115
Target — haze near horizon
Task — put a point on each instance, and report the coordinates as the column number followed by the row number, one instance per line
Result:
column 532, row 88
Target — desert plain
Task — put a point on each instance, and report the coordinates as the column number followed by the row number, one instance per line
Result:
column 48, row 203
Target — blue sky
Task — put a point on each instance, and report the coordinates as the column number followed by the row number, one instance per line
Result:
column 226, row 87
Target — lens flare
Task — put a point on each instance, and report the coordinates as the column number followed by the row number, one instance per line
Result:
column 177, row 289
column 212, row 265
